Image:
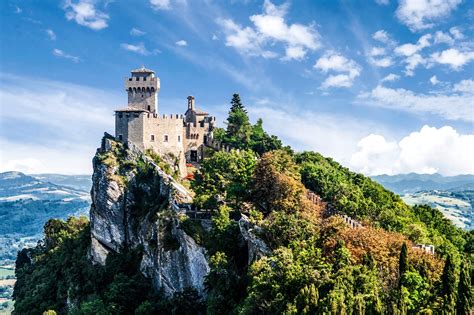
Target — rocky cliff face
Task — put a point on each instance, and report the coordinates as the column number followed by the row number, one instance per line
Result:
column 135, row 204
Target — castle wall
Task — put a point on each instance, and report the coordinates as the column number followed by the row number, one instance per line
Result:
column 165, row 134
column 129, row 126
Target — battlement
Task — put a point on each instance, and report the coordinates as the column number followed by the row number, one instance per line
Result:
column 164, row 116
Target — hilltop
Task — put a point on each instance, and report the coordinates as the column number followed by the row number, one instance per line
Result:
column 258, row 229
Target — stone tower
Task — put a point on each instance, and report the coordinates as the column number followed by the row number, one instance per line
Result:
column 142, row 88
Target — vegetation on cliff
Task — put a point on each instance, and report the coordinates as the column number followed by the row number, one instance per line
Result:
column 317, row 263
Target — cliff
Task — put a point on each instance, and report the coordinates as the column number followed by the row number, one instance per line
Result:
column 136, row 204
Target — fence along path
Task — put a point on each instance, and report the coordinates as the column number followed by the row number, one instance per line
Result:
column 329, row 210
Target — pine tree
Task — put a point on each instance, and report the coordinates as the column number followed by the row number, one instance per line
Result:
column 464, row 300
column 236, row 104
column 448, row 290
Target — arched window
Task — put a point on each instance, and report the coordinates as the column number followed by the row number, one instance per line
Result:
column 152, row 138
column 165, row 138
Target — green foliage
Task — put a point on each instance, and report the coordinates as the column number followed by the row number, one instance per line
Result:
column 224, row 176
column 194, row 229
column 448, row 289
column 241, row 134
column 360, row 197
column 464, row 294
column 402, row 263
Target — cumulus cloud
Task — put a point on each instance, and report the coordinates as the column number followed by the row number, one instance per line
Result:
column 182, row 43
column 410, row 49
column 269, row 28
column 453, row 106
column 430, row 150
column 61, row 54
column 391, row 77
column 85, row 13
column 51, row 34
column 335, row 62
column 136, row 32
column 421, row 14
column 434, row 80
column 137, row 48
column 464, row 86
column 383, row 37
column 453, row 57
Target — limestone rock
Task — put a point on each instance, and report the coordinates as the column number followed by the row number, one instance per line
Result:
column 128, row 212
column 256, row 247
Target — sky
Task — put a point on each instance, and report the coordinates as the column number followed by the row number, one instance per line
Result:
column 381, row 86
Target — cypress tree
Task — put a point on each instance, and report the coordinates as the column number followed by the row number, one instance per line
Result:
column 402, row 263
column 464, row 300
column 236, row 104
column 449, row 286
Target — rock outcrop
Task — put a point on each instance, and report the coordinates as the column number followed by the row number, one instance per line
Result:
column 134, row 205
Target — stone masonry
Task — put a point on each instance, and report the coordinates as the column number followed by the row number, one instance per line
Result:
column 180, row 136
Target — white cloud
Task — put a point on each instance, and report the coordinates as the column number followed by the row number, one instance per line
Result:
column 160, row 4
column 413, row 62
column 58, row 125
column 181, row 43
column 381, row 62
column 214, row 37
column 382, row 2
column 456, row 32
column 454, row 58
column 449, row 106
column 269, row 28
column 383, row 37
column 334, row 62
column 136, row 32
column 18, row 10
column 441, row 37
column 465, row 86
column 62, row 54
column 85, row 13
column 410, row 49
column 51, row 34
column 434, row 80
column 420, row 14
column 377, row 51
column 138, row 48
column 430, row 150
column 391, row 77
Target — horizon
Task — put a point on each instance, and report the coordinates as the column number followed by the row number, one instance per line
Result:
column 389, row 95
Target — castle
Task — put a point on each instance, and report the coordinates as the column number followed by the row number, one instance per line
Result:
column 180, row 136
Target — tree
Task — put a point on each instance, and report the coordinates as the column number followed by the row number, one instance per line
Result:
column 448, row 290
column 464, row 300
column 402, row 263
column 236, row 104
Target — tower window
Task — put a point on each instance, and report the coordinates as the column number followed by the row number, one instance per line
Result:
column 179, row 138
column 166, row 138
column 137, row 79
column 152, row 138
column 148, row 107
column 120, row 137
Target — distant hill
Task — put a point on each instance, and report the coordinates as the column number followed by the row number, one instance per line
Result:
column 452, row 195
column 27, row 202
column 411, row 183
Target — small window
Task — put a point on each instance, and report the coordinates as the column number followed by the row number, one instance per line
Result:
column 120, row 137
column 120, row 115
column 148, row 107
column 144, row 79
column 129, row 79
column 166, row 138
column 179, row 138
column 137, row 79
column 152, row 138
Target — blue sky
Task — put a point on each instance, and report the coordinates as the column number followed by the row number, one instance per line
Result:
column 383, row 86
